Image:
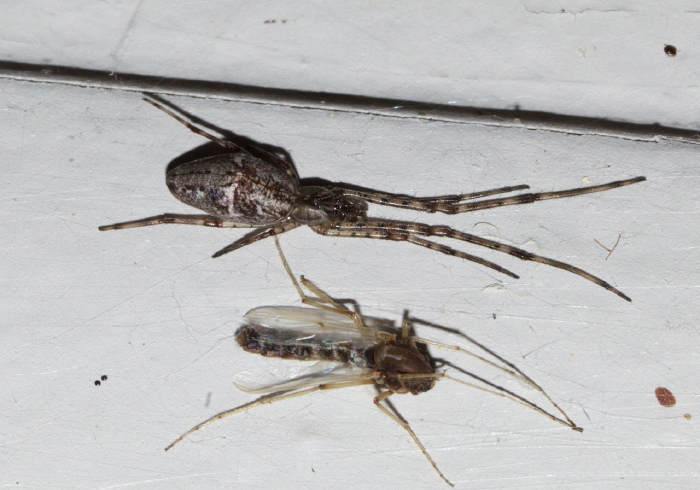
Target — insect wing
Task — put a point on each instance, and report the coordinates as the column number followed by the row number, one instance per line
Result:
column 292, row 378
column 290, row 325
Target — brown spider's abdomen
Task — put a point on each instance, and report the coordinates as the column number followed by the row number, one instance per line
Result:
column 236, row 186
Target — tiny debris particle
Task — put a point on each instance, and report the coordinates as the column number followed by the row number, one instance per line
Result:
column 103, row 377
column 687, row 416
column 670, row 50
column 97, row 382
column 665, row 397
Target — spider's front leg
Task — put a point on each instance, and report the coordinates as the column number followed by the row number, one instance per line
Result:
column 452, row 204
column 283, row 164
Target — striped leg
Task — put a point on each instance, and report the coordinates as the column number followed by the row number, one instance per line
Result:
column 452, row 204
column 411, row 232
column 258, row 235
column 178, row 219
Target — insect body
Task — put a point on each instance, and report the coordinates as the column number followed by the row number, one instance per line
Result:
column 240, row 190
column 324, row 335
column 303, row 334
column 351, row 351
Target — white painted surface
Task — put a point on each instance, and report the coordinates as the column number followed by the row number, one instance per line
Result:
column 150, row 309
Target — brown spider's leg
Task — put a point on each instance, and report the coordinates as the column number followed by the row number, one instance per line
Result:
column 442, row 204
column 539, row 196
column 195, row 129
column 422, row 229
column 257, row 236
column 178, row 219
column 401, row 230
column 226, row 144
column 450, row 205
column 346, row 229
column 377, row 401
column 275, row 397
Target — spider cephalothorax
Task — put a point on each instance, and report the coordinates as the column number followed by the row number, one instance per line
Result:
column 317, row 205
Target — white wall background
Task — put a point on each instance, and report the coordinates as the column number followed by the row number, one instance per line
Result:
column 154, row 312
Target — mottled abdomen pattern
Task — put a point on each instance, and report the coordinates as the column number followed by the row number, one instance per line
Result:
column 237, row 186
column 259, row 340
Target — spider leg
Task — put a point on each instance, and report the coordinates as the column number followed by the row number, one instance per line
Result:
column 446, row 231
column 378, row 402
column 539, row 196
column 221, row 142
column 195, row 129
column 452, row 204
column 405, row 231
column 178, row 219
column 346, row 229
column 434, row 204
column 258, row 235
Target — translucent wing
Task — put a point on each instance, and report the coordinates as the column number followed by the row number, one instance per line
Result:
column 291, row 378
column 296, row 325
column 298, row 318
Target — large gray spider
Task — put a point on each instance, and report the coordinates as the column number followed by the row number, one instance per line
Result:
column 239, row 190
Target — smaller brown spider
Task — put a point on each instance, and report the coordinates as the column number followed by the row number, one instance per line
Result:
column 239, row 190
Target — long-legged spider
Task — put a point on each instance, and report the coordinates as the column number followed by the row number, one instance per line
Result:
column 239, row 190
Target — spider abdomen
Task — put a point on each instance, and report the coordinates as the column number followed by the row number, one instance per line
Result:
column 237, row 186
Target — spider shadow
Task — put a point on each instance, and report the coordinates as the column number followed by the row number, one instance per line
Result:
column 254, row 147
column 210, row 149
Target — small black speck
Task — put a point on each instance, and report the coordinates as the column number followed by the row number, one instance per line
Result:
column 670, row 50
column 97, row 382
column 103, row 377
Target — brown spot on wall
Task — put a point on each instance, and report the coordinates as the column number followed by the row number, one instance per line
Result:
column 665, row 397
